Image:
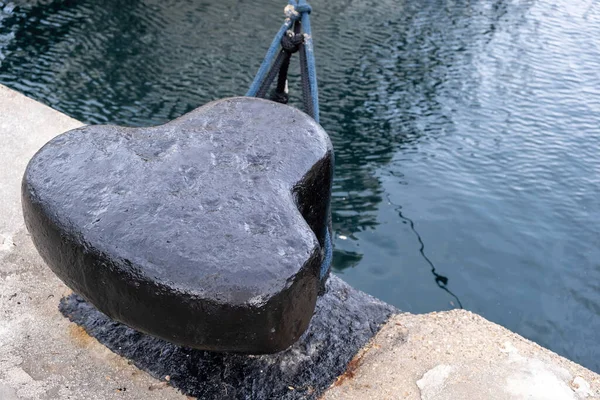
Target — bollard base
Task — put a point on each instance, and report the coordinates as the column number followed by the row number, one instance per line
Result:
column 344, row 321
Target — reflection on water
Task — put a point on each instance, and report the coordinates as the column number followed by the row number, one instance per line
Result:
column 440, row 280
column 466, row 132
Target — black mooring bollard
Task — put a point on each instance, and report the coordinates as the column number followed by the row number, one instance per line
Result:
column 207, row 231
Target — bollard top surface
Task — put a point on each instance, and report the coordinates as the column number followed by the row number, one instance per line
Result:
column 225, row 206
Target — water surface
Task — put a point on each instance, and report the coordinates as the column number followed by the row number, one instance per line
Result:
column 466, row 132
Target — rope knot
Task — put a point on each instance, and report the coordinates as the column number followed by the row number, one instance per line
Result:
column 290, row 42
column 294, row 12
column 291, row 13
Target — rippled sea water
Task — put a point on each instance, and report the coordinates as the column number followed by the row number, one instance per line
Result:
column 466, row 133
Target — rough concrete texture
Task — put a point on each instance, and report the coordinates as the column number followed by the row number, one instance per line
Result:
column 459, row 355
column 42, row 354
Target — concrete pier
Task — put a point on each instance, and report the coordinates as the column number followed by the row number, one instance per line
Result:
column 449, row 355
column 459, row 355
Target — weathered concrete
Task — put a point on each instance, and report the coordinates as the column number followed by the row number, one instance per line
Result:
column 458, row 355
column 218, row 217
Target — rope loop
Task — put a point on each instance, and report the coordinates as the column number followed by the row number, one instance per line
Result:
column 304, row 8
column 294, row 36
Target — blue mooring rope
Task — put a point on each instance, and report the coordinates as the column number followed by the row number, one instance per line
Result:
column 328, row 254
column 297, row 11
column 310, row 56
column 269, row 58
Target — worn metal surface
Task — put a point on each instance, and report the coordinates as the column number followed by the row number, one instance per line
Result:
column 344, row 321
column 206, row 231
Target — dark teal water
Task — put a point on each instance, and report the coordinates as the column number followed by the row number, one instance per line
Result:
column 466, row 133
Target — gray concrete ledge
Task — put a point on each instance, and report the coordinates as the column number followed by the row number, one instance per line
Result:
column 459, row 355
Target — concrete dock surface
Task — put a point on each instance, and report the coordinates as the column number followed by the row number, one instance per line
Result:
column 446, row 355
column 459, row 355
